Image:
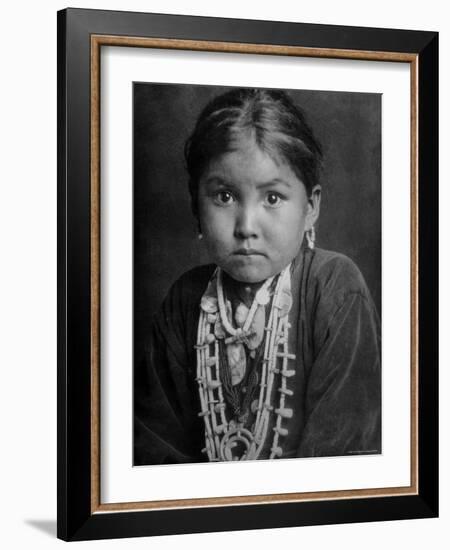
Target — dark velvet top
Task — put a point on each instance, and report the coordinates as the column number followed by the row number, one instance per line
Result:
column 335, row 336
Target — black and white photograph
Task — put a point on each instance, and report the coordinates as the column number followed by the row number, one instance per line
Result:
column 256, row 273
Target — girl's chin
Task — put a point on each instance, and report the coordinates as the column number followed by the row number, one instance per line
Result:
column 249, row 276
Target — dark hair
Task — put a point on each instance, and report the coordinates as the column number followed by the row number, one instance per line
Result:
column 277, row 125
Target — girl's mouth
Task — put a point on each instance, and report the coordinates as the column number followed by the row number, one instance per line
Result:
column 248, row 252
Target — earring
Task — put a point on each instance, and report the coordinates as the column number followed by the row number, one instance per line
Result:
column 200, row 236
column 311, row 237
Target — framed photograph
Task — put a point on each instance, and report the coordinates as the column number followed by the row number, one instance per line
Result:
column 247, row 274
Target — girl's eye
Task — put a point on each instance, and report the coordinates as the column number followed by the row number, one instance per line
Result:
column 273, row 199
column 224, row 197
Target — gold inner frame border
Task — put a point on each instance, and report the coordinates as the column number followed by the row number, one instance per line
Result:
column 97, row 41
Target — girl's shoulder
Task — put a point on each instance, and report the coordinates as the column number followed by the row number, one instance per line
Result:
column 190, row 286
column 333, row 290
column 335, row 274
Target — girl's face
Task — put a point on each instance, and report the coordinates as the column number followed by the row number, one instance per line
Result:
column 253, row 212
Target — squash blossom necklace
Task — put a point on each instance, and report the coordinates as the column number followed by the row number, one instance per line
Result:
column 240, row 362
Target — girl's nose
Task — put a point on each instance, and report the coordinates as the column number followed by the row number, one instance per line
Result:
column 246, row 223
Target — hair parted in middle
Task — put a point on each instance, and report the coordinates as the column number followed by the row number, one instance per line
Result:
column 269, row 117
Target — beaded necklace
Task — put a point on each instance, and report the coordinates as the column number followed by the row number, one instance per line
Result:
column 226, row 438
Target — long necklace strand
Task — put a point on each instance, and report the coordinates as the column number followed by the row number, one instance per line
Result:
column 222, row 435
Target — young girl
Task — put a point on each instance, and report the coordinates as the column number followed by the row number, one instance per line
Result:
column 272, row 350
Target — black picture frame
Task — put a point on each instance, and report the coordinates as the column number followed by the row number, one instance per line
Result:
column 79, row 515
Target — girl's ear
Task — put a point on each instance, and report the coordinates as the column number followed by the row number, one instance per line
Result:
column 313, row 211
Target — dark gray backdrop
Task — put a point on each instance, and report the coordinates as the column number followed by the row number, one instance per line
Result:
column 348, row 125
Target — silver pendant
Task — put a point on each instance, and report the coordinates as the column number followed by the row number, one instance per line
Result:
column 237, row 362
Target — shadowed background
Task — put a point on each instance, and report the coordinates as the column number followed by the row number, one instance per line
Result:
column 348, row 125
